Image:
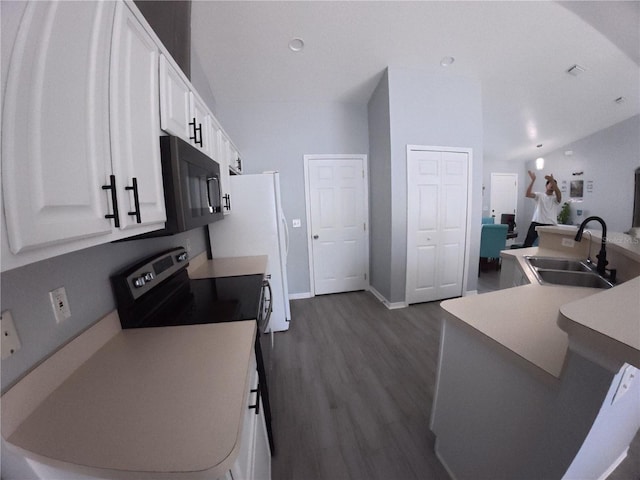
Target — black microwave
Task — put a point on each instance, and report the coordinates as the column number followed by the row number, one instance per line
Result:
column 191, row 181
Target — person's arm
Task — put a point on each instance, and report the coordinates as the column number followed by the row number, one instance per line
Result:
column 529, row 193
column 556, row 190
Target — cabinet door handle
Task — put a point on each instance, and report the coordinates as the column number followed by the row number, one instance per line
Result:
column 136, row 200
column 213, row 208
column 196, row 130
column 227, row 201
column 114, row 201
column 257, row 404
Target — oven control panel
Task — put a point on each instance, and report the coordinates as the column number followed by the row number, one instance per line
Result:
column 137, row 280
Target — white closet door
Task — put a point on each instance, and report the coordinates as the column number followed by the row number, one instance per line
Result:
column 437, row 184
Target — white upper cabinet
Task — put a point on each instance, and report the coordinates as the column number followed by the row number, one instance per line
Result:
column 135, row 123
column 80, row 138
column 222, row 153
column 55, row 136
column 182, row 111
column 175, row 107
column 89, row 89
column 204, row 136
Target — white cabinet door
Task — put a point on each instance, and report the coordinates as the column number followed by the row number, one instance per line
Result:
column 243, row 466
column 203, row 124
column 174, row 101
column 261, row 450
column 134, row 124
column 55, row 139
column 221, row 158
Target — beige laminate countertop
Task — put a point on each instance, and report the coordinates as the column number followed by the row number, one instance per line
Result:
column 534, row 320
column 164, row 401
column 522, row 319
column 610, row 318
column 231, row 267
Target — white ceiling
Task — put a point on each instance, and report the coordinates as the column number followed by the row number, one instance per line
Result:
column 519, row 51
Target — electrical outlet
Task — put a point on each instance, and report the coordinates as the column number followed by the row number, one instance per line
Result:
column 568, row 242
column 10, row 341
column 60, row 304
column 295, row 223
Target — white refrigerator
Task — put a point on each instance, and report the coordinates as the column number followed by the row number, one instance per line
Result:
column 257, row 226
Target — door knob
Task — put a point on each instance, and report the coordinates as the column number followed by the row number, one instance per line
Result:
column 315, row 237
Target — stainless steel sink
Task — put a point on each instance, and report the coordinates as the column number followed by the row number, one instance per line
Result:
column 572, row 278
column 567, row 264
column 566, row 271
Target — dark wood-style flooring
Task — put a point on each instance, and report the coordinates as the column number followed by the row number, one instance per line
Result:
column 353, row 388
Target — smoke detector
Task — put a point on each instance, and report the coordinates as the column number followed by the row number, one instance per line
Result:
column 575, row 70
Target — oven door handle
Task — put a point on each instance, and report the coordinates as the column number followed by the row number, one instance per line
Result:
column 270, row 305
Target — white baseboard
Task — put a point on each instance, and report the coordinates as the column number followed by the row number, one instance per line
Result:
column 299, row 296
column 469, row 293
column 384, row 301
column 614, row 465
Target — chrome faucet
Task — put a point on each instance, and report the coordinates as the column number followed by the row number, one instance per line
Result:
column 602, row 256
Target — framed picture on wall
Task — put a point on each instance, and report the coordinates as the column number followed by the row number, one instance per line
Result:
column 576, row 189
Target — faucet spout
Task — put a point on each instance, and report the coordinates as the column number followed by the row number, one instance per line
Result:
column 602, row 256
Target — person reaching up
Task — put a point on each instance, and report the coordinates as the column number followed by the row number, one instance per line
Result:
column 547, row 206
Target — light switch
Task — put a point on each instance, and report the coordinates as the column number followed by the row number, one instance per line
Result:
column 296, row 223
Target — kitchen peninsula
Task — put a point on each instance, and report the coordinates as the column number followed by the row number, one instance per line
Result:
column 535, row 381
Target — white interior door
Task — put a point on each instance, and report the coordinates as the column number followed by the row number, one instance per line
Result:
column 437, row 182
column 504, row 194
column 336, row 208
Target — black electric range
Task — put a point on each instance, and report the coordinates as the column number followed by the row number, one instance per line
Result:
column 157, row 292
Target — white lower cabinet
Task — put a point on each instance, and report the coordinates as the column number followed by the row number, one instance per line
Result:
column 254, row 458
column 80, row 131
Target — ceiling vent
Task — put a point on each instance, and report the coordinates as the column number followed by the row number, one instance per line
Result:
column 575, row 70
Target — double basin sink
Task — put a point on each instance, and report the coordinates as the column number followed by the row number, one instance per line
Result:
column 567, row 271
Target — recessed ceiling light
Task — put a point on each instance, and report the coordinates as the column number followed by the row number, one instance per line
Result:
column 575, row 70
column 446, row 61
column 296, row 44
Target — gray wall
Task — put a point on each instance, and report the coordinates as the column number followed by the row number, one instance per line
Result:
column 435, row 110
column 609, row 159
column 276, row 136
column 380, row 188
column 85, row 276
column 171, row 21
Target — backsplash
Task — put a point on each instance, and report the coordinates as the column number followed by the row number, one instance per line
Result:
column 85, row 276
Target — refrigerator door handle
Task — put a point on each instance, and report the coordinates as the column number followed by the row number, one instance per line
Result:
column 286, row 236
